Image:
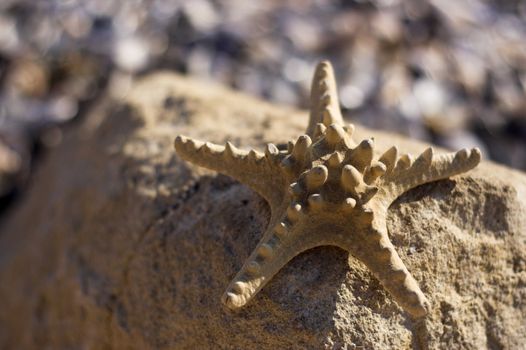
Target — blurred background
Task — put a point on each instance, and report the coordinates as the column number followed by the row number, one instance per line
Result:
column 452, row 72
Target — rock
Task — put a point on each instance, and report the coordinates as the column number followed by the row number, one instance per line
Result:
column 121, row 244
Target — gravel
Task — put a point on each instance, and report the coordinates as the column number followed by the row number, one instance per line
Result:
column 449, row 72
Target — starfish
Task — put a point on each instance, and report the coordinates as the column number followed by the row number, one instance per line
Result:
column 325, row 189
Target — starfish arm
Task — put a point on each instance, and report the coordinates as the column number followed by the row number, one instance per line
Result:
column 278, row 246
column 381, row 258
column 254, row 169
column 261, row 266
column 325, row 108
column 406, row 174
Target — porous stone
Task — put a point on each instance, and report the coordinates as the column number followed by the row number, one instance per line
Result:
column 119, row 243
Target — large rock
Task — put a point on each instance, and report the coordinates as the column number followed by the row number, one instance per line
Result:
column 121, row 244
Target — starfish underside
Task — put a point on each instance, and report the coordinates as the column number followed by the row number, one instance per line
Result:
column 327, row 190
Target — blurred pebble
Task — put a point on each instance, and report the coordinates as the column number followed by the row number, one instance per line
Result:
column 131, row 54
column 471, row 71
column 13, row 161
column 28, row 78
column 62, row 108
column 431, row 97
column 77, row 24
column 201, row 14
column 351, row 96
column 303, row 34
column 297, row 70
column 387, row 27
column 9, row 40
column 10, row 161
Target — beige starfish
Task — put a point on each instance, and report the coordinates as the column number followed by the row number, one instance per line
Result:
column 326, row 190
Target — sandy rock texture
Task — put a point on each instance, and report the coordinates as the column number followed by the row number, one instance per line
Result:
column 121, row 244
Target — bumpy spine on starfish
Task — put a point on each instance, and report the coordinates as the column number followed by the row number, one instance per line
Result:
column 298, row 157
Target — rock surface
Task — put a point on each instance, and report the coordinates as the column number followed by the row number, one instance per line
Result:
column 121, row 244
